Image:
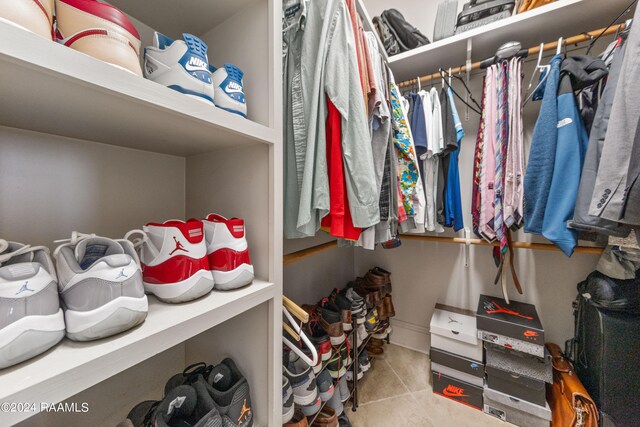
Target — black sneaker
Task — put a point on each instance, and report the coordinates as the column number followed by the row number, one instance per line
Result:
column 331, row 321
column 343, row 421
column 183, row 406
column 230, row 392
column 345, row 309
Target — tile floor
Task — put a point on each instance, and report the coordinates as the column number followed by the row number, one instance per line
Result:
column 396, row 392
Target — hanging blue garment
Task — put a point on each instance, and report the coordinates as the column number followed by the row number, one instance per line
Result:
column 537, row 179
column 453, row 199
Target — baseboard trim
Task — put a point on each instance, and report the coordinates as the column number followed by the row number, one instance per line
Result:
column 411, row 336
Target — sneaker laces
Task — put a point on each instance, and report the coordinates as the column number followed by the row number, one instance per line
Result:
column 76, row 237
column 140, row 241
column 4, row 257
column 192, row 372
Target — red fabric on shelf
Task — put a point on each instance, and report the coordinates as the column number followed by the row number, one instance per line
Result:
column 338, row 222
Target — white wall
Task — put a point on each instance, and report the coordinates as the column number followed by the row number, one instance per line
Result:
column 52, row 186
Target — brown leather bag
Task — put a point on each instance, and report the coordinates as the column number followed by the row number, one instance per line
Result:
column 570, row 403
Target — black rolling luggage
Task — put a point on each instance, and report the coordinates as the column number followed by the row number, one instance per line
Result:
column 606, row 347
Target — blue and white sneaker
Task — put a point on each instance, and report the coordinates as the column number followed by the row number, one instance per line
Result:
column 229, row 90
column 180, row 65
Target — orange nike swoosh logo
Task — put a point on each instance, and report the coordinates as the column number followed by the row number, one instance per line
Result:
column 452, row 394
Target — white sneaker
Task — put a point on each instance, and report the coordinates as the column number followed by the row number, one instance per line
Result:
column 174, row 260
column 228, row 252
column 229, row 89
column 181, row 65
column 101, row 286
column 32, row 15
column 31, row 320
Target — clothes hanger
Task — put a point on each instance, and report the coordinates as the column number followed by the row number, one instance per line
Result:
column 477, row 111
column 541, row 69
column 303, row 338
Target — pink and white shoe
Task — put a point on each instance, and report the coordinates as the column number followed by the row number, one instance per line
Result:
column 32, row 15
column 99, row 30
column 228, row 252
column 174, row 260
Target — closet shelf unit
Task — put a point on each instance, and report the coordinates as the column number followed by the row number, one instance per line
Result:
column 71, row 367
column 561, row 18
column 87, row 146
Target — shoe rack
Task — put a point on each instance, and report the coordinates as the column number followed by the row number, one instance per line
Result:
column 89, row 147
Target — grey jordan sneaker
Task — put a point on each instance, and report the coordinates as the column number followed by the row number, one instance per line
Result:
column 302, row 379
column 325, row 385
column 288, row 408
column 100, row 283
column 31, row 320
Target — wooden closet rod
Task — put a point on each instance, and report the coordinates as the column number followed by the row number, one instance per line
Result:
column 297, row 256
column 532, row 51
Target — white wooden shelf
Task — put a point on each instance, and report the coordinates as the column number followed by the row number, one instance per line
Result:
column 49, row 88
column 562, row 18
column 72, row 367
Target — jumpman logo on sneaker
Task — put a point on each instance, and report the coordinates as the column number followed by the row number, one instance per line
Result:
column 179, row 246
column 246, row 412
column 24, row 288
column 121, row 274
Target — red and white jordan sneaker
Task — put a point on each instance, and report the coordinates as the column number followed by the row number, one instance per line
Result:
column 228, row 252
column 174, row 260
column 99, row 30
column 32, row 15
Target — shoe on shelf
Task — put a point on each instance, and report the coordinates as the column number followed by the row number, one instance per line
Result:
column 336, row 366
column 298, row 420
column 325, row 385
column 317, row 368
column 231, row 395
column 184, row 406
column 99, row 30
column 344, row 391
column 363, row 361
column 181, row 65
column 326, row 418
column 357, row 304
column 228, row 252
column 229, row 89
column 372, row 321
column 288, row 408
column 349, row 376
column 100, row 285
column 362, row 334
column 302, row 379
column 387, row 302
column 335, row 402
column 311, row 409
column 382, row 331
column 31, row 320
column 331, row 321
column 317, row 335
column 344, row 305
column 343, row 421
column 32, row 15
column 174, row 260
column 374, row 350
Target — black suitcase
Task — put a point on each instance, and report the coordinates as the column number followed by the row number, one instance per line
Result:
column 606, row 347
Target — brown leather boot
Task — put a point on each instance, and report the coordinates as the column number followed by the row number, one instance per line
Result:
column 298, row 420
column 326, row 418
column 374, row 351
column 389, row 309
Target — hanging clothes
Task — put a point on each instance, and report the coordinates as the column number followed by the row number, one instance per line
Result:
column 616, row 195
column 367, row 78
column 435, row 140
column 500, row 149
column 577, row 72
column 488, row 159
column 453, row 200
column 582, row 221
column 513, row 186
column 331, row 68
column 449, row 144
column 476, row 201
column 537, row 179
column 338, row 222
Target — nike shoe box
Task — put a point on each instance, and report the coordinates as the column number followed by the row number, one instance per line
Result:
column 514, row 325
column 458, row 367
column 514, row 411
column 460, row 391
column 518, row 374
column 454, row 330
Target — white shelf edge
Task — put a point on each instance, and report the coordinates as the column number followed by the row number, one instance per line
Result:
column 70, row 367
column 506, row 22
column 22, row 50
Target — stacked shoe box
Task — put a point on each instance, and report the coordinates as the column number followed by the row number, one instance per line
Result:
column 517, row 363
column 456, row 356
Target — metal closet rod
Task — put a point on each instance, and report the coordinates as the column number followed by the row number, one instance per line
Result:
column 532, row 51
column 297, row 256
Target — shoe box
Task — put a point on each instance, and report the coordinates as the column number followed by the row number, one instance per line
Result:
column 519, row 375
column 515, row 325
column 453, row 330
column 459, row 367
column 460, row 391
column 515, row 411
